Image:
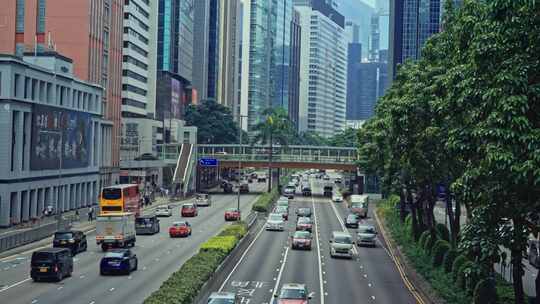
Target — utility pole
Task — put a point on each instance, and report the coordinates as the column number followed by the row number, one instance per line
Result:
column 239, row 164
column 58, row 214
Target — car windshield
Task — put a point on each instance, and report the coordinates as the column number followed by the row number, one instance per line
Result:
column 356, row 205
column 114, row 254
column 201, row 196
column 275, row 217
column 63, row 235
column 366, row 230
column 187, row 206
column 163, row 208
column 281, row 209
column 143, row 221
column 342, row 239
column 232, row 210
column 302, row 235
column 221, row 301
column 304, row 210
column 351, row 217
column 304, row 220
column 290, row 293
column 179, row 224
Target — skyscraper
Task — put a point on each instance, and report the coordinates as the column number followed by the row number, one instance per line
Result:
column 201, row 28
column 265, row 56
column 354, row 57
column 213, row 48
column 323, row 64
column 93, row 41
column 352, row 32
column 294, row 69
column 412, row 22
column 371, row 83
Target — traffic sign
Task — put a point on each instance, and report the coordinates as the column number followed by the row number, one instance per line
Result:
column 208, row 162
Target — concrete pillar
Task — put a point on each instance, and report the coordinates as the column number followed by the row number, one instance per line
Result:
column 33, row 204
column 15, row 207
column 25, row 205
column 77, row 195
column 4, row 209
column 40, row 201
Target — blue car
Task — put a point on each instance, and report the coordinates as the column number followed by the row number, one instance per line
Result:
column 119, row 261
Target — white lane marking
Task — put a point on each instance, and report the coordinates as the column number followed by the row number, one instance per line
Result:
column 279, row 274
column 321, row 285
column 93, row 302
column 60, row 287
column 15, row 284
column 34, row 301
column 241, row 259
column 111, row 289
column 82, row 276
column 355, row 252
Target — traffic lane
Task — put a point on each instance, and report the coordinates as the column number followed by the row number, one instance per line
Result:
column 255, row 276
column 345, row 282
column 302, row 266
column 376, row 263
column 86, row 281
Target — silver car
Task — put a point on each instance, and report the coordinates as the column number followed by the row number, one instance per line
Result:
column 366, row 235
column 275, row 222
column 203, row 199
column 223, row 298
column 341, row 245
column 164, row 211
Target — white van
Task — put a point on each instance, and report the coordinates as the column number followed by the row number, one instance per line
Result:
column 359, row 204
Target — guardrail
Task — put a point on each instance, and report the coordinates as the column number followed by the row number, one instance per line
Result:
column 17, row 239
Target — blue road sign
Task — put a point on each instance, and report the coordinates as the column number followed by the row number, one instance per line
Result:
column 208, row 162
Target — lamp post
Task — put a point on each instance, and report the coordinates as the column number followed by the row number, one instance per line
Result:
column 239, row 161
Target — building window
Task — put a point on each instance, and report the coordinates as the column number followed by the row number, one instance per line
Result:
column 134, row 75
column 134, row 89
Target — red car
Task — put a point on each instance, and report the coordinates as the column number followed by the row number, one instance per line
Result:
column 180, row 229
column 189, row 210
column 301, row 240
column 304, row 224
column 232, row 214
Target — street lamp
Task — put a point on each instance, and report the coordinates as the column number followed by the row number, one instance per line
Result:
column 239, row 162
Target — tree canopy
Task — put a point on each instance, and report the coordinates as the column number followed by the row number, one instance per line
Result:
column 467, row 115
column 214, row 122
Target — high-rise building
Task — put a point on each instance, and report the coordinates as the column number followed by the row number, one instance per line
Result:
column 265, row 57
column 294, row 70
column 354, row 57
column 201, row 31
column 412, row 22
column 323, row 64
column 374, row 38
column 174, row 59
column 213, row 48
column 352, row 32
column 371, row 83
column 93, row 40
column 229, row 53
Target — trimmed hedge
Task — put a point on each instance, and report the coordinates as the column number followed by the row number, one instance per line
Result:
column 460, row 260
column 485, row 292
column 448, row 260
column 184, row 285
column 439, row 250
column 265, row 201
column 442, row 232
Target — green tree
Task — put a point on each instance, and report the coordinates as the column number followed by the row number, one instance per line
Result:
column 345, row 138
column 214, row 122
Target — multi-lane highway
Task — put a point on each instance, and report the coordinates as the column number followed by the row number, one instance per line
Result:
column 158, row 255
column 269, row 262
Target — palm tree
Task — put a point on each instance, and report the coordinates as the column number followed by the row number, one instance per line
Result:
column 275, row 128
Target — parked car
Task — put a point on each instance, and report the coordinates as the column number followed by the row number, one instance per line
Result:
column 366, row 235
column 232, row 214
column 118, row 261
column 301, row 240
column 165, row 211
column 351, row 221
column 223, row 298
column 74, row 240
column 293, row 293
column 304, row 224
column 180, row 229
column 341, row 245
column 189, row 210
column 51, row 263
column 146, row 224
column 275, row 222
column 203, row 199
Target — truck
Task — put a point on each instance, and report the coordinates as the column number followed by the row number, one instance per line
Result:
column 115, row 230
column 328, row 190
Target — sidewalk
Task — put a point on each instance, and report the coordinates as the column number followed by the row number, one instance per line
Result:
column 530, row 272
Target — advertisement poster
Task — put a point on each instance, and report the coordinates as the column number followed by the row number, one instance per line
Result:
column 175, row 99
column 59, row 134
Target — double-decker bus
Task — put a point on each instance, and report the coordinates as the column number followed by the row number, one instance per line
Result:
column 120, row 198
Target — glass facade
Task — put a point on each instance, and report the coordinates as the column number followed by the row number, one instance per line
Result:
column 213, row 48
column 282, row 53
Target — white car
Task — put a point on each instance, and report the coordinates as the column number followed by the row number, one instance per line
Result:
column 337, row 198
column 164, row 211
column 202, row 199
column 275, row 221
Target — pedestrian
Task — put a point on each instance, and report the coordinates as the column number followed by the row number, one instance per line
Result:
column 146, row 199
column 77, row 215
column 90, row 214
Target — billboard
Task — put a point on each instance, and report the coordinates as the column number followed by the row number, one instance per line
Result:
column 175, row 99
column 59, row 134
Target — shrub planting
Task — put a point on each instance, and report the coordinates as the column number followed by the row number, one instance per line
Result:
column 448, row 260
column 440, row 249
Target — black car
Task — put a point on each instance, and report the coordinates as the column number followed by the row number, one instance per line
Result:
column 303, row 212
column 352, row 221
column 51, row 263
column 74, row 240
column 147, row 224
column 121, row 261
column 306, row 191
